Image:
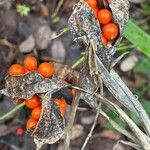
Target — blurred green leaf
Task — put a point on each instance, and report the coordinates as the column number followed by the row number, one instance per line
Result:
column 146, row 8
column 134, row 118
column 138, row 37
column 143, row 66
column 23, row 9
column 55, row 19
column 115, row 117
column 146, row 105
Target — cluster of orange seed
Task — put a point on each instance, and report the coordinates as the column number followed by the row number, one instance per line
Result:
column 110, row 30
column 47, row 70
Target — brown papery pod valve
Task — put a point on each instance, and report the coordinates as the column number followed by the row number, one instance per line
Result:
column 85, row 26
column 50, row 126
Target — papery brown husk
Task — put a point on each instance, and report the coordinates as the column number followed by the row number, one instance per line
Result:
column 50, row 126
column 85, row 27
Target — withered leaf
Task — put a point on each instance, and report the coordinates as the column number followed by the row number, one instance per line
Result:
column 120, row 11
column 88, row 84
column 85, row 27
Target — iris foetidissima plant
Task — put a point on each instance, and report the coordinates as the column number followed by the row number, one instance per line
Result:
column 96, row 73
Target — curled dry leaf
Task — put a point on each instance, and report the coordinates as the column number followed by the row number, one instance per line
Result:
column 50, row 126
column 85, row 27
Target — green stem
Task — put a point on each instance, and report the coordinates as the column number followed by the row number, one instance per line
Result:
column 9, row 113
column 78, row 62
column 125, row 47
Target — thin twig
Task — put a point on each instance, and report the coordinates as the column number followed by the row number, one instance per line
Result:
column 141, row 136
column 92, row 128
column 5, row 42
column 100, row 84
column 77, row 63
column 58, row 8
column 74, row 107
column 133, row 145
column 63, row 31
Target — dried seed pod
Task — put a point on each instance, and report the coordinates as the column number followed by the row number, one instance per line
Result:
column 85, row 27
column 120, row 11
column 26, row 86
column 50, row 126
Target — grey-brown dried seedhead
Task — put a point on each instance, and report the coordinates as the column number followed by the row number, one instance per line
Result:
column 50, row 126
column 85, row 27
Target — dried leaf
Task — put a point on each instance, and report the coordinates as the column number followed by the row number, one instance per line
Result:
column 85, row 27
column 88, row 84
column 121, row 92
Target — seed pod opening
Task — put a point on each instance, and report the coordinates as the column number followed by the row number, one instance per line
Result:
column 50, row 126
column 86, row 28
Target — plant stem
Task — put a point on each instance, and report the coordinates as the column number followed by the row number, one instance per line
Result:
column 78, row 62
column 125, row 47
column 9, row 113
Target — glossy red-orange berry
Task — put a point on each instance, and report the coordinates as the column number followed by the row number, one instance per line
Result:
column 61, row 103
column 104, row 16
column 92, row 3
column 20, row 131
column 16, row 69
column 46, row 69
column 31, row 124
column 33, row 102
column 30, row 63
column 26, row 70
column 36, row 112
column 110, row 31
